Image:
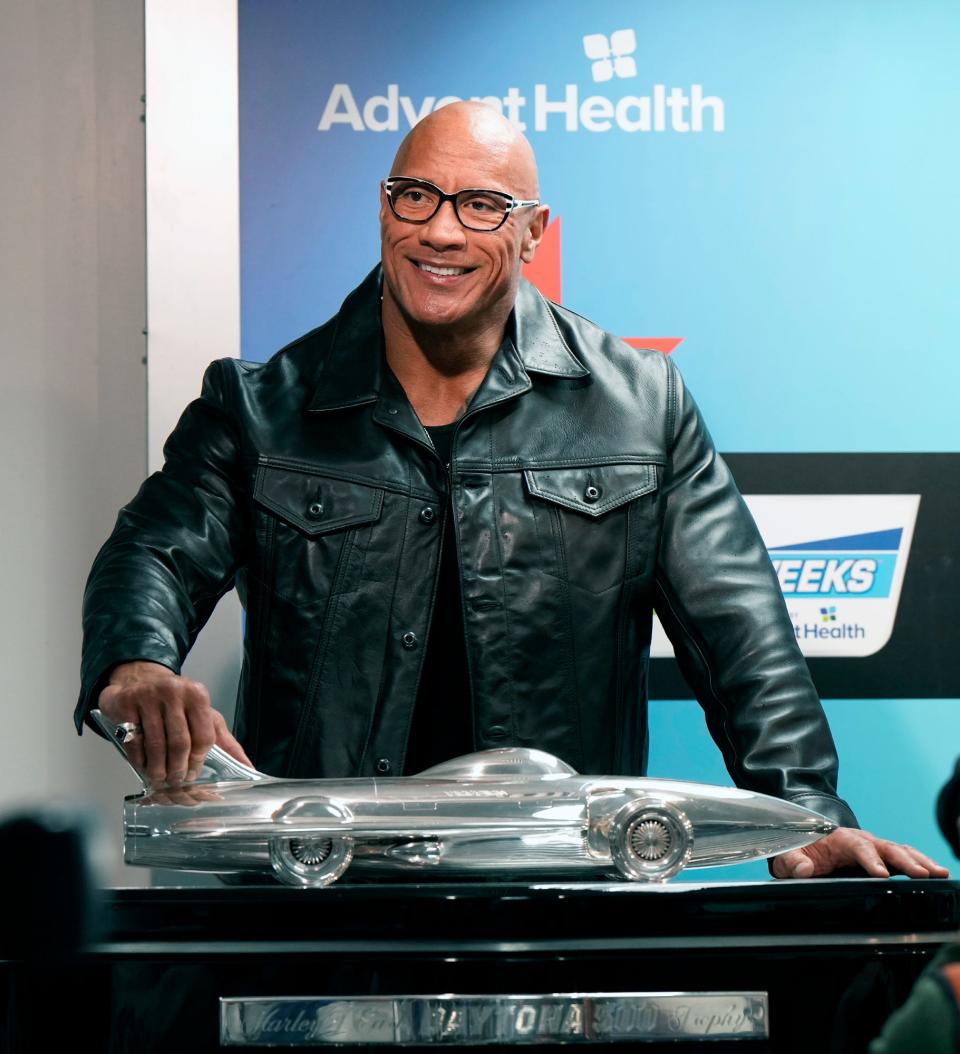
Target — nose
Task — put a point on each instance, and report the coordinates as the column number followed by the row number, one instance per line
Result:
column 443, row 231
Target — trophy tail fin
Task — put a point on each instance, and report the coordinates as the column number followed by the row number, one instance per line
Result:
column 221, row 767
column 118, row 735
column 218, row 766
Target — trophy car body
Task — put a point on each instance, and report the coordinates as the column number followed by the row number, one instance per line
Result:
column 511, row 811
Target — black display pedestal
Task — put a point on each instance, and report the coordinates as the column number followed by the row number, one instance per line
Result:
column 834, row 956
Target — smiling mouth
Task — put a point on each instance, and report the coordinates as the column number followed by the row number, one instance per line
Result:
column 443, row 272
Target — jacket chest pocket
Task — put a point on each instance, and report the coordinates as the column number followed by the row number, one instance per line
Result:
column 312, row 531
column 597, row 525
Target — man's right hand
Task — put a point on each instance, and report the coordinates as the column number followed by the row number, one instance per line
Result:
column 179, row 724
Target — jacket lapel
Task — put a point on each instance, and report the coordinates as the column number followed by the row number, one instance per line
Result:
column 352, row 373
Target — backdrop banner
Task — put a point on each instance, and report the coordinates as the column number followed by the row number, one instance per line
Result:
column 766, row 192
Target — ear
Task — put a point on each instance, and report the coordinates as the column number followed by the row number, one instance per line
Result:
column 534, row 233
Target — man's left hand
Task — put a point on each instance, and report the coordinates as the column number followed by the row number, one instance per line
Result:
column 850, row 847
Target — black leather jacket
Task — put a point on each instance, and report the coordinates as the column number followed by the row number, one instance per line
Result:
column 586, row 492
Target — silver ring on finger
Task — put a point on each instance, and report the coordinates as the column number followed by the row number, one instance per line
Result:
column 127, row 730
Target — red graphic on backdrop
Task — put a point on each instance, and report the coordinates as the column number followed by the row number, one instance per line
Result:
column 546, row 273
column 546, row 270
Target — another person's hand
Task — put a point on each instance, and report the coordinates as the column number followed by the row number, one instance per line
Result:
column 179, row 724
column 850, row 847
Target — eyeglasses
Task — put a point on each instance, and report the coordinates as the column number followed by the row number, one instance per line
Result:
column 417, row 201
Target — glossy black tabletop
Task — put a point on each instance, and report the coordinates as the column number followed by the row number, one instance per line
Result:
column 400, row 915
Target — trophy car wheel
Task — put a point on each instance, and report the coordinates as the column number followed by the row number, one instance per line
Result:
column 310, row 862
column 650, row 840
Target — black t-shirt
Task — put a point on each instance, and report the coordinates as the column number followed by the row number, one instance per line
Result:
column 442, row 725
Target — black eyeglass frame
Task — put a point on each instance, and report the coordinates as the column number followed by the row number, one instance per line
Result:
column 512, row 203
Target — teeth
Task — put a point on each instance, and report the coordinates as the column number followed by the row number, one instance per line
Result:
column 442, row 270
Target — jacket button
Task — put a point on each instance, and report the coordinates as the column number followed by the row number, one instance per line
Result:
column 428, row 515
column 383, row 766
column 592, row 493
column 409, row 640
column 315, row 510
column 496, row 732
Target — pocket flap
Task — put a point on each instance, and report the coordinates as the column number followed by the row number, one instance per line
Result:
column 593, row 489
column 315, row 503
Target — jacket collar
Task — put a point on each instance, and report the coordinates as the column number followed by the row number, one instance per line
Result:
column 538, row 338
column 352, row 372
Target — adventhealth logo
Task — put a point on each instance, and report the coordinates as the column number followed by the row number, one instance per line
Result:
column 547, row 107
column 611, row 57
column 855, row 565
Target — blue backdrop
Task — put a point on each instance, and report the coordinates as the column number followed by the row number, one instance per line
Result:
column 797, row 229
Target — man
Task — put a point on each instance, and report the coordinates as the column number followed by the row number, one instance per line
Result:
column 449, row 512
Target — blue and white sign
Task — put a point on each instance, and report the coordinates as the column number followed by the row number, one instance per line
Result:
column 840, row 560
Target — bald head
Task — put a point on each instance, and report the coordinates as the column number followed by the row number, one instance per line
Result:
column 446, row 282
column 473, row 127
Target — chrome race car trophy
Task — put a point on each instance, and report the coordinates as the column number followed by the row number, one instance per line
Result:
column 511, row 811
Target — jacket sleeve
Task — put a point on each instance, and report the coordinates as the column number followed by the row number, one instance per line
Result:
column 718, row 598
column 173, row 552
